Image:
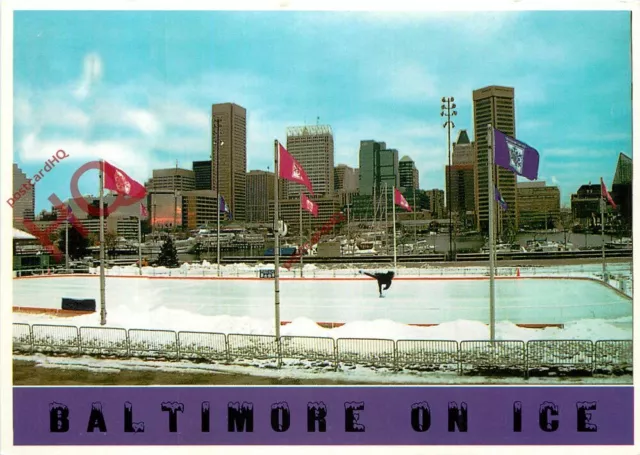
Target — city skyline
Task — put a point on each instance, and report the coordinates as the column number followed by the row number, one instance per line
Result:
column 142, row 107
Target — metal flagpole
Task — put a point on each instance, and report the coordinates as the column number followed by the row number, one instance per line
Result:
column 602, row 204
column 66, row 241
column 276, row 238
column 103, row 308
column 492, row 289
column 140, row 241
column 415, row 225
column 301, row 252
column 395, row 252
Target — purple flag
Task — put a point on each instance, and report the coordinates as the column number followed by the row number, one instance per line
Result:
column 516, row 156
column 501, row 201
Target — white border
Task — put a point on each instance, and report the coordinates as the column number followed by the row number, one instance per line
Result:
column 6, row 158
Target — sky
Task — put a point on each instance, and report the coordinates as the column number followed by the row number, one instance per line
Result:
column 135, row 88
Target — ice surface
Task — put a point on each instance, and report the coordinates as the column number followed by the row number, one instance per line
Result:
column 588, row 309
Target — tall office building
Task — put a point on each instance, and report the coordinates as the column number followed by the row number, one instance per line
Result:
column 312, row 147
column 369, row 166
column 621, row 188
column 494, row 105
column 260, row 189
column 172, row 179
column 232, row 145
column 164, row 198
column 436, row 203
column 624, row 170
column 25, row 207
column 345, row 179
column 407, row 173
column 463, row 150
column 462, row 174
column 538, row 205
column 203, row 171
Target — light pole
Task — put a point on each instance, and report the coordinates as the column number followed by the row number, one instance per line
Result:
column 448, row 111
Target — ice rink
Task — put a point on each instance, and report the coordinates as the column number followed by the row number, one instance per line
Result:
column 409, row 301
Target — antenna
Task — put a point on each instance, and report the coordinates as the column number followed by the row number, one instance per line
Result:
column 317, row 120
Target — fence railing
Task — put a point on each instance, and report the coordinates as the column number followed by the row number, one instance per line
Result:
column 472, row 357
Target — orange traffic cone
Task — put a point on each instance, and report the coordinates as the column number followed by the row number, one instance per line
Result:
column 518, row 272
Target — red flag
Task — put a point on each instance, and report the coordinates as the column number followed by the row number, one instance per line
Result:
column 143, row 211
column 291, row 170
column 116, row 180
column 399, row 199
column 309, row 205
column 605, row 194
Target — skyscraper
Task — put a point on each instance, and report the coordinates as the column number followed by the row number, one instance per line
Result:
column 345, row 179
column 25, row 207
column 312, row 147
column 369, row 166
column 462, row 172
column 494, row 105
column 233, row 155
column 202, row 171
column 260, row 188
column 407, row 174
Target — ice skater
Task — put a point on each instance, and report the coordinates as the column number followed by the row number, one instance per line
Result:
column 382, row 278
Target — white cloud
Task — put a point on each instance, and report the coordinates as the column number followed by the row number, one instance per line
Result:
column 91, row 74
column 144, row 120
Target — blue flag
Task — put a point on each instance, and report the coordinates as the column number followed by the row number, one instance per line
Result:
column 501, row 202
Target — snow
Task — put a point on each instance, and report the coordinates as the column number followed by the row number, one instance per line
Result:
column 356, row 375
column 246, row 307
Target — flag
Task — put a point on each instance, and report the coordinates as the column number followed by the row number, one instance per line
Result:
column 143, row 211
column 225, row 208
column 309, row 205
column 501, row 202
column 117, row 180
column 291, row 170
column 605, row 194
column 516, row 156
column 69, row 213
column 399, row 199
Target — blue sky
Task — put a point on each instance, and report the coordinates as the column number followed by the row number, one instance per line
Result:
column 135, row 88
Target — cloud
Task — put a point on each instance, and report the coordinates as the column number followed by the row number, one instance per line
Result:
column 144, row 120
column 91, row 74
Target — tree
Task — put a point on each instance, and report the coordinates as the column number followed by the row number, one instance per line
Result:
column 77, row 243
column 110, row 243
column 168, row 256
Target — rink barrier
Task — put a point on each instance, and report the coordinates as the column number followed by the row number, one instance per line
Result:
column 468, row 357
column 549, row 355
column 485, row 358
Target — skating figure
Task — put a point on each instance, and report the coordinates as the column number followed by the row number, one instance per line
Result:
column 382, row 278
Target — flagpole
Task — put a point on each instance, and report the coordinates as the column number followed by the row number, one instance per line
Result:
column 66, row 242
column 300, row 247
column 103, row 308
column 492, row 290
column 140, row 241
column 602, row 204
column 415, row 228
column 395, row 253
column 276, row 246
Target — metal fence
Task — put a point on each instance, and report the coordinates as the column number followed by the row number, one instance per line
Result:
column 487, row 358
